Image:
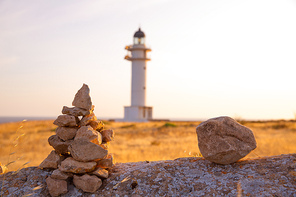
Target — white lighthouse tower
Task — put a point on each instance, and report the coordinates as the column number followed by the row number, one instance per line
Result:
column 137, row 54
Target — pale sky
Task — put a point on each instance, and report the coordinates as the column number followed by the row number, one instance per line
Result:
column 209, row 57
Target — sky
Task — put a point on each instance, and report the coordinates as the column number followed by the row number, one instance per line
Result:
column 209, row 57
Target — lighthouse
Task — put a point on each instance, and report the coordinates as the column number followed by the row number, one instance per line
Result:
column 137, row 54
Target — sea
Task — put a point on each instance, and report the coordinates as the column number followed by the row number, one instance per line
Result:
column 4, row 119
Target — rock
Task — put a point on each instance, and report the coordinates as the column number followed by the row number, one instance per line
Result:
column 87, row 119
column 87, row 183
column 26, row 181
column 82, row 98
column 3, row 168
column 56, row 187
column 51, row 161
column 71, row 165
column 101, row 173
column 106, row 163
column 190, row 176
column 105, row 145
column 66, row 133
column 96, row 125
column 82, row 150
column 222, row 140
column 57, row 174
column 75, row 111
column 88, row 134
column 60, row 146
column 108, row 135
column 100, row 127
column 66, row 121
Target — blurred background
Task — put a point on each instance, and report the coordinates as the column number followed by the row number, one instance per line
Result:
column 209, row 58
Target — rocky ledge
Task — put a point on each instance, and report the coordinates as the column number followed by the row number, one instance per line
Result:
column 191, row 176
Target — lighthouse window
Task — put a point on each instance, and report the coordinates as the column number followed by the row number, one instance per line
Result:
column 144, row 88
column 142, row 41
column 144, row 67
column 139, row 40
column 136, row 40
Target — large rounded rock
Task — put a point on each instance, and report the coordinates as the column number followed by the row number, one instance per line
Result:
column 222, row 140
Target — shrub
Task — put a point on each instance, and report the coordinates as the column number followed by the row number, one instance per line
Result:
column 279, row 126
column 128, row 126
column 169, row 124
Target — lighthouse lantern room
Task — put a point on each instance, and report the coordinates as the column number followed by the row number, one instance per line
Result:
column 137, row 54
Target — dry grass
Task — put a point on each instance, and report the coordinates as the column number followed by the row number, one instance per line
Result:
column 32, row 146
column 140, row 141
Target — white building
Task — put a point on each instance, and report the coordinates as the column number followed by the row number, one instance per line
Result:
column 137, row 54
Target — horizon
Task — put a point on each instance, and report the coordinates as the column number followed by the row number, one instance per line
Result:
column 208, row 59
column 12, row 119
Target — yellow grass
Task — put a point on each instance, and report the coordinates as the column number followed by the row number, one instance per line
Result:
column 139, row 141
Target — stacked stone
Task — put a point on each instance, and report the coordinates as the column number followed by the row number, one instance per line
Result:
column 80, row 148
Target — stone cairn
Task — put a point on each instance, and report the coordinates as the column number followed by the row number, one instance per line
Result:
column 80, row 154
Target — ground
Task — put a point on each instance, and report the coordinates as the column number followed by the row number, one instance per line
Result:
column 24, row 142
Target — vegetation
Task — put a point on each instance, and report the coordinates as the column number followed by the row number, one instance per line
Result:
column 141, row 141
column 169, row 124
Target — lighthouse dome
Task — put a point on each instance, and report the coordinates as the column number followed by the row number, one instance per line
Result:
column 139, row 34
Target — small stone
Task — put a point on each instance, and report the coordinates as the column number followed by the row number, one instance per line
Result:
column 87, row 183
column 51, row 161
column 56, row 187
column 222, row 140
column 82, row 150
column 60, row 146
column 66, row 133
column 105, row 145
column 66, row 121
column 87, row 119
column 96, row 125
column 106, row 163
column 71, row 165
column 101, row 173
column 100, row 127
column 75, row 111
column 82, row 98
column 57, row 174
column 87, row 133
column 108, row 135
